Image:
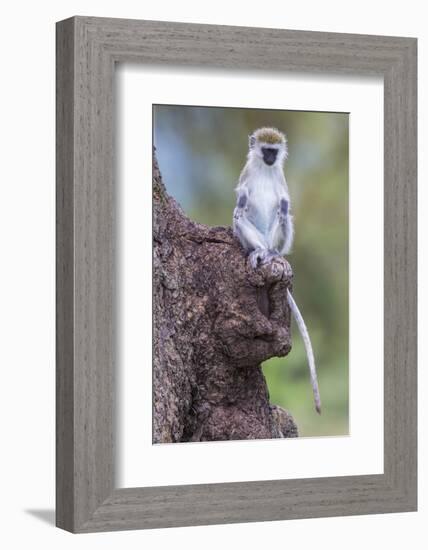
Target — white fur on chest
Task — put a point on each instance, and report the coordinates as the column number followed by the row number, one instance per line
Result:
column 264, row 199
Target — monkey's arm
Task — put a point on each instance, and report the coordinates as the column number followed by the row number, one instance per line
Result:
column 281, row 234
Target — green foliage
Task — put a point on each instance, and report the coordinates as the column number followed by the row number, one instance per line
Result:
column 201, row 151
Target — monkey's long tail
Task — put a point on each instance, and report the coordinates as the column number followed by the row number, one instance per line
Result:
column 309, row 352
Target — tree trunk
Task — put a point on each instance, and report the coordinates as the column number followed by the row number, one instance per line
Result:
column 215, row 320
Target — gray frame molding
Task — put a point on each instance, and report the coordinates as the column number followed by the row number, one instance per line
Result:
column 87, row 50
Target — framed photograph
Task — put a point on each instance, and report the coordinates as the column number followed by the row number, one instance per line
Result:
column 236, row 274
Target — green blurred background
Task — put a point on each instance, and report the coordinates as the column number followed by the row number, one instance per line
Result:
column 201, row 151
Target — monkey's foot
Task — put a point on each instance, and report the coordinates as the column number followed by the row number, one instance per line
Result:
column 258, row 257
column 271, row 255
column 261, row 256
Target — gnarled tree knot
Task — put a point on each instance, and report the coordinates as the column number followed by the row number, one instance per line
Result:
column 215, row 320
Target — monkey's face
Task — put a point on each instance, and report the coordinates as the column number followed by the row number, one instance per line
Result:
column 270, row 155
column 268, row 147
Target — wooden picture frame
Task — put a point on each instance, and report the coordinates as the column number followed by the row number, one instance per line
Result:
column 87, row 50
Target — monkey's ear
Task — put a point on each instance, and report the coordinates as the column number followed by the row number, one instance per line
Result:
column 285, row 148
column 251, row 141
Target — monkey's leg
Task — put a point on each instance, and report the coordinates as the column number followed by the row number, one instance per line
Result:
column 288, row 235
column 252, row 240
column 284, row 229
column 275, row 238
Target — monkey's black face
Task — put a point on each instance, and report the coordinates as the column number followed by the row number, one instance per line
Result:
column 269, row 155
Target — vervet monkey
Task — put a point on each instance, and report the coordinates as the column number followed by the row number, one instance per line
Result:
column 262, row 220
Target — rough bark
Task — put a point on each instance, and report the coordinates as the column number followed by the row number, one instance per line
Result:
column 215, row 320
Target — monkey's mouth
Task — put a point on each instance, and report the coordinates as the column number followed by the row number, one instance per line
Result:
column 269, row 155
